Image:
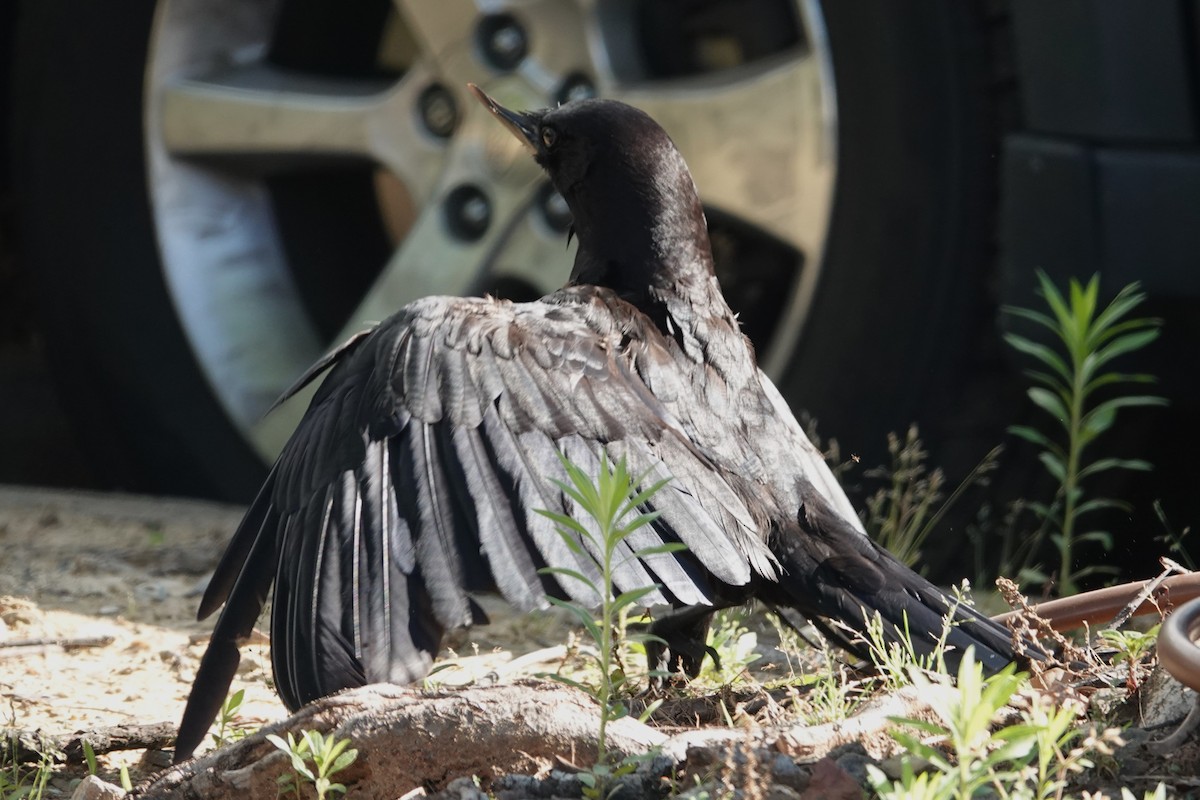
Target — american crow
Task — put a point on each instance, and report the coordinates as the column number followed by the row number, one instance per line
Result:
column 412, row 481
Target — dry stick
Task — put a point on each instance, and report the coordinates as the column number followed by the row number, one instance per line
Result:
column 65, row 643
column 1146, row 594
column 31, row 746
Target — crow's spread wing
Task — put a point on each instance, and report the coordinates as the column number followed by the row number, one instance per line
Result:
column 415, row 477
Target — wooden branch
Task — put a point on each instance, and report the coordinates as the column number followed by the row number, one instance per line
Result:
column 32, row 747
column 23, row 647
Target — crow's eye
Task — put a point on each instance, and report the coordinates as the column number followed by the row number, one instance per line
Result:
column 549, row 137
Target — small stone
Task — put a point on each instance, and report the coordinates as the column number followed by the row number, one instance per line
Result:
column 460, row 789
column 1164, row 700
column 153, row 591
column 248, row 664
column 92, row 788
column 777, row 791
column 785, row 771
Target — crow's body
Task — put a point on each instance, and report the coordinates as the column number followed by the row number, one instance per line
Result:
column 412, row 481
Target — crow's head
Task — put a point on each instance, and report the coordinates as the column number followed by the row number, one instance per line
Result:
column 635, row 207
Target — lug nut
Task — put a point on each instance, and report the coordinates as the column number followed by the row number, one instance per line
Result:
column 439, row 112
column 555, row 212
column 502, row 40
column 468, row 212
column 576, row 87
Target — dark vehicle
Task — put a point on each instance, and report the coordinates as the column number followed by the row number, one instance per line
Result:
column 210, row 194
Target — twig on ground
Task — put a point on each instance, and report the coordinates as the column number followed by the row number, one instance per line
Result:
column 30, row 746
column 21, row 647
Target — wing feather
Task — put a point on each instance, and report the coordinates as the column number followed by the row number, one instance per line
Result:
column 417, row 473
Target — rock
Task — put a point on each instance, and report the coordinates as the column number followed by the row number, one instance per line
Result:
column 92, row 788
column 1164, row 700
column 460, row 789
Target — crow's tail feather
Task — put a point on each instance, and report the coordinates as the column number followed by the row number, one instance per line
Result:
column 832, row 571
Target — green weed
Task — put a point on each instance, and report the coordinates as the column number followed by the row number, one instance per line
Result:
column 1067, row 386
column 962, row 756
column 612, row 501
column 19, row 781
column 328, row 755
column 228, row 727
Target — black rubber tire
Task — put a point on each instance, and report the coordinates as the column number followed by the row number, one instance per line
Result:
column 903, row 302
column 126, row 374
column 888, row 341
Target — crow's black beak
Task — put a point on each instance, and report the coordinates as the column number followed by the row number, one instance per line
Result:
column 523, row 126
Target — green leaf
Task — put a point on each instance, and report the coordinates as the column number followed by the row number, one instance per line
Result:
column 1041, row 353
column 1097, row 503
column 1083, row 306
column 1054, row 465
column 1055, row 301
column 1126, row 344
column 644, row 495
column 641, row 520
column 573, row 493
column 582, row 614
column 644, row 638
column 1103, row 464
column 1050, row 382
column 570, row 573
column 1033, row 316
column 1125, row 301
column 1101, row 418
column 1103, row 538
column 1037, row 437
column 344, row 760
column 1050, row 402
column 569, row 523
column 632, row 596
column 658, row 549
column 1097, row 570
column 1109, row 378
column 574, row 684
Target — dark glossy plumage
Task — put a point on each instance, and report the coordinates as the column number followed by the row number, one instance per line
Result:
column 412, row 481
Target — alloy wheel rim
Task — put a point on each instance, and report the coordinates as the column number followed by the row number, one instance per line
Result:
column 474, row 211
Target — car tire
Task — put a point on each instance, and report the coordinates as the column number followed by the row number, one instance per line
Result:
column 901, row 302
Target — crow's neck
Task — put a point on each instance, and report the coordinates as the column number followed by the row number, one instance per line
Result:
column 653, row 250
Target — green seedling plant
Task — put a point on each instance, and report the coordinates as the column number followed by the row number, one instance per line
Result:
column 613, row 501
column 1132, row 648
column 735, row 645
column 328, row 756
column 963, row 757
column 228, row 727
column 89, row 756
column 897, row 658
column 828, row 693
column 1130, row 645
column 1068, row 383
column 21, row 782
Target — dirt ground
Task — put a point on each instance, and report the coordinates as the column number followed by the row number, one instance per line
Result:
column 79, row 566
column 97, row 624
column 122, row 576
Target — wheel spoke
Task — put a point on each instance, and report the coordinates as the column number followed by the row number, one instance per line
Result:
column 433, row 260
column 759, row 141
column 443, row 31
column 261, row 118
